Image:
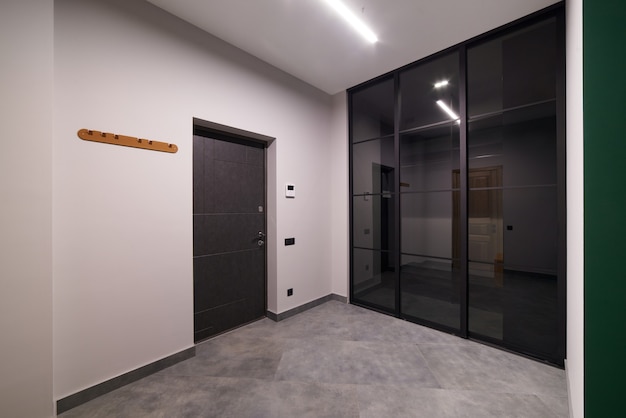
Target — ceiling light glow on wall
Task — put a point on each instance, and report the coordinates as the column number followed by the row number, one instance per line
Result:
column 354, row 21
column 449, row 111
column 441, row 84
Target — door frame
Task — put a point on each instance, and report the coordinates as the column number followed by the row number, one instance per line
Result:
column 231, row 134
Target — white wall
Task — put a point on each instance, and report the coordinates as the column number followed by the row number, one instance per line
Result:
column 575, row 205
column 26, row 215
column 123, row 217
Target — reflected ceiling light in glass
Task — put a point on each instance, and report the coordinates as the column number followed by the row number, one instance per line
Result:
column 449, row 111
column 354, row 21
column 441, row 84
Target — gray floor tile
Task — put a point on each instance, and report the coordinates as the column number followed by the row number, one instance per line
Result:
column 478, row 367
column 234, row 355
column 407, row 401
column 478, row 404
column 558, row 405
column 339, row 360
column 355, row 362
column 396, row 401
column 391, row 329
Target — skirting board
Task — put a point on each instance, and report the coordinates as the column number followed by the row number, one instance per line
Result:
column 86, row 395
column 299, row 309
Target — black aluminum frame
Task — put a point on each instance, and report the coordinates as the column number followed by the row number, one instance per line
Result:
column 557, row 11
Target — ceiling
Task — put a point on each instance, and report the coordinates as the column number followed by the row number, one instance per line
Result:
column 306, row 39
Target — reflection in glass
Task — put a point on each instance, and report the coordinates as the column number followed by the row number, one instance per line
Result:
column 426, row 224
column 423, row 85
column 429, row 279
column 517, row 227
column 514, row 306
column 430, row 290
column 373, row 222
column 524, row 150
column 372, row 111
column 512, row 248
column 428, row 157
column 373, row 167
column 512, row 200
column 484, row 223
column 513, row 70
column 373, row 278
column 530, row 229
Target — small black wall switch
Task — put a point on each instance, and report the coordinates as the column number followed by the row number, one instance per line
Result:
column 289, row 292
column 290, row 241
column 509, row 227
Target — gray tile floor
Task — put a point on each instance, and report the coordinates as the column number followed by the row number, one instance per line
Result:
column 339, row 360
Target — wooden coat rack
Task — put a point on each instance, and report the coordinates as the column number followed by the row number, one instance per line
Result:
column 126, row 141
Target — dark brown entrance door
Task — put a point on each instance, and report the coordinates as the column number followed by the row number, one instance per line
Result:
column 228, row 234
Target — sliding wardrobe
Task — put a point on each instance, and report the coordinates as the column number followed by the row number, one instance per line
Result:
column 457, row 182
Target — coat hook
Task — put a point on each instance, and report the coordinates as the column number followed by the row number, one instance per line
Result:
column 129, row 141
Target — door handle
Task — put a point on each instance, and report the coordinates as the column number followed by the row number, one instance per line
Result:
column 261, row 235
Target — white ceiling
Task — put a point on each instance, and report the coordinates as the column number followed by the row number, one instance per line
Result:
column 307, row 39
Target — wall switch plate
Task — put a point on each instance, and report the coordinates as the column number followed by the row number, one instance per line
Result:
column 290, row 292
column 290, row 241
column 290, row 190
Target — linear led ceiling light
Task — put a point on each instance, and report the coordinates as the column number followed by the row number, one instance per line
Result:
column 441, row 84
column 449, row 111
column 354, row 21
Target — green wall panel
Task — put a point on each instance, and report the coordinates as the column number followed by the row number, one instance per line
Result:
column 605, row 206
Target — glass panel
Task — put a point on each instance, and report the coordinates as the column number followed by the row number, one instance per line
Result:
column 517, row 227
column 512, row 247
column 522, row 144
column 373, row 167
column 486, row 304
column 511, row 222
column 373, row 276
column 373, row 222
column 513, row 70
column 429, row 279
column 426, row 224
column 484, row 223
column 518, row 307
column 423, row 86
column 530, row 229
column 372, row 111
column 428, row 158
column 430, row 290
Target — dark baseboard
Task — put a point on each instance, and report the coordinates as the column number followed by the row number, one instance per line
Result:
column 86, row 395
column 338, row 298
column 305, row 307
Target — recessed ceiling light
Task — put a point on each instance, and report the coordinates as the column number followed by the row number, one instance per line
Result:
column 441, row 84
column 449, row 111
column 354, row 21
